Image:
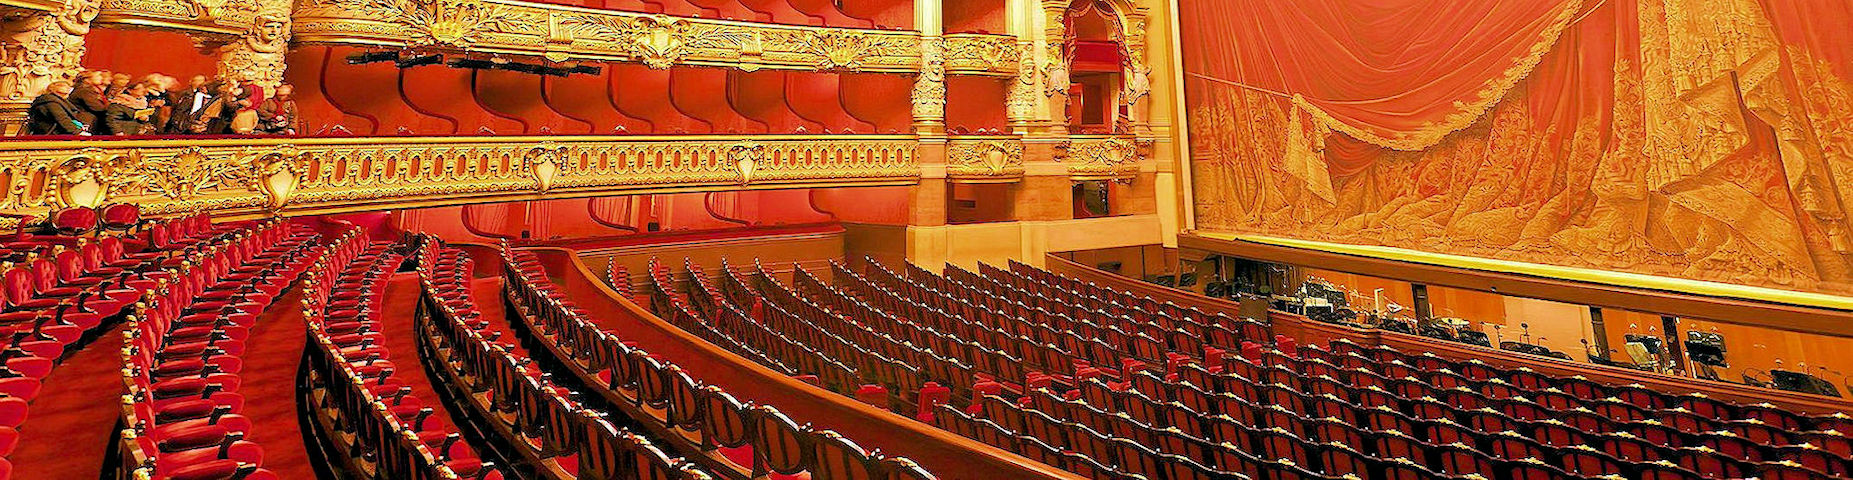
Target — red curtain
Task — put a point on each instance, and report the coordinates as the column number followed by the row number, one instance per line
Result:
column 1396, row 73
column 1703, row 139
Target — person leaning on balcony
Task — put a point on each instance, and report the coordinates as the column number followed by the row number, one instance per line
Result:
column 160, row 97
column 90, row 101
column 277, row 114
column 53, row 113
column 129, row 112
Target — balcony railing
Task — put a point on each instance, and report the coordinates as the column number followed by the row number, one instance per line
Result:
column 257, row 176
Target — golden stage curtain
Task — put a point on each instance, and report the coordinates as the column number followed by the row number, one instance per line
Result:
column 1703, row 139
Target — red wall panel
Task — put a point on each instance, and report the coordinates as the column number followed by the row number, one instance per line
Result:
column 643, row 92
column 815, row 96
column 881, row 99
column 141, row 52
column 318, row 114
column 974, row 16
column 584, row 98
column 825, row 12
column 701, row 93
column 521, row 96
column 974, row 103
column 761, row 97
column 777, row 11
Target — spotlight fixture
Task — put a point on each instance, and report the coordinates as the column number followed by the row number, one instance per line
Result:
column 585, row 69
column 372, row 57
column 471, row 63
column 554, row 71
column 421, row 60
column 520, row 67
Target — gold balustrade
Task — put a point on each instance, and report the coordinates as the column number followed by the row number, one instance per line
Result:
column 249, row 177
column 1104, row 157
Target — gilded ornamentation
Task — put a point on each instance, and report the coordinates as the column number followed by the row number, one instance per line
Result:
column 986, row 159
column 37, row 49
column 746, row 157
column 545, row 160
column 562, row 33
column 1108, row 157
column 173, row 176
column 258, row 55
column 972, row 53
column 929, row 94
column 660, row 40
column 1021, row 100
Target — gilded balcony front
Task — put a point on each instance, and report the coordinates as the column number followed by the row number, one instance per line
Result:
column 300, row 176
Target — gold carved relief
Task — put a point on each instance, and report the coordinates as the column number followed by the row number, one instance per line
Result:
column 985, row 160
column 564, row 34
column 168, row 176
column 1096, row 158
column 929, row 93
column 980, row 54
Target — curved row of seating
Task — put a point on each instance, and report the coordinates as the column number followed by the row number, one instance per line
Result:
column 735, row 330
column 182, row 356
column 374, row 417
column 735, row 439
column 1302, row 402
column 495, row 375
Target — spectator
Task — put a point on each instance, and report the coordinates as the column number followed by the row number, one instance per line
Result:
column 128, row 111
column 188, row 103
column 54, row 114
column 216, row 117
column 279, row 112
column 160, row 88
column 118, row 82
column 91, row 104
column 245, row 120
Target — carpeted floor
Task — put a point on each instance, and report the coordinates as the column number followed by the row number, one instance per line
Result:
column 272, row 354
column 71, row 426
column 401, row 338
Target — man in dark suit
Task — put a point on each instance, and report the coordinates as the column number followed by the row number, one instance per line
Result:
column 54, row 114
column 188, row 103
column 90, row 101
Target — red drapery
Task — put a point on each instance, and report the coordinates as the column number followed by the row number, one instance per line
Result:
column 1706, row 139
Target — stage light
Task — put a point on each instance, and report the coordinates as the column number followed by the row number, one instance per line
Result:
column 471, row 63
column 586, row 69
column 420, row 61
column 555, row 71
column 372, row 57
column 520, row 67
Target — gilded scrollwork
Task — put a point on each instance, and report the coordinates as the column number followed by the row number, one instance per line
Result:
column 563, row 34
column 1092, row 158
column 981, row 53
column 37, row 49
column 167, row 177
column 258, row 55
column 990, row 159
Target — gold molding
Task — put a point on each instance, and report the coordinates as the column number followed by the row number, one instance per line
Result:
column 262, row 176
column 981, row 54
column 565, row 33
column 1111, row 157
column 984, row 160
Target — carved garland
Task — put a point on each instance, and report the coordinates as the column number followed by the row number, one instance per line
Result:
column 656, row 40
column 995, row 160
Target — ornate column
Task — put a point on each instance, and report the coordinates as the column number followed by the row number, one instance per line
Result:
column 930, row 86
column 1138, row 90
column 257, row 54
column 1024, row 98
column 1054, row 65
column 38, row 48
